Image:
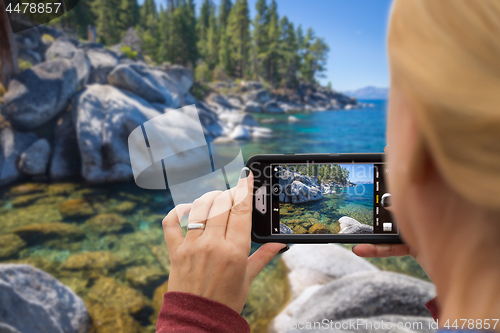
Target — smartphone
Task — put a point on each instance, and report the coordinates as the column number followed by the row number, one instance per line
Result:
column 321, row 198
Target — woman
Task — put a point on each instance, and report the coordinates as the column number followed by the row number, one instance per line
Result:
column 443, row 156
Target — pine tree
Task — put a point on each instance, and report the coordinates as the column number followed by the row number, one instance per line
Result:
column 288, row 49
column 273, row 51
column 107, row 21
column 239, row 36
column 129, row 14
column 202, row 27
column 224, row 10
column 260, row 39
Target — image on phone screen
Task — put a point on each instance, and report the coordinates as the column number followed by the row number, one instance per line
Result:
column 330, row 198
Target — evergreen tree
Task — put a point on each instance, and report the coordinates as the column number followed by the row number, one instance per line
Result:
column 260, row 39
column 203, row 26
column 224, row 10
column 238, row 30
column 289, row 59
column 182, row 34
column 273, row 51
column 129, row 14
column 107, row 20
column 211, row 54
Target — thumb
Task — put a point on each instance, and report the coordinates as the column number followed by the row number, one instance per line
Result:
column 260, row 258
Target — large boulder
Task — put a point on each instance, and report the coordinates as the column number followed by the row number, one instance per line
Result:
column 102, row 62
column 366, row 294
column 348, row 225
column 310, row 265
column 260, row 96
column 33, row 301
column 183, row 76
column 273, row 107
column 300, row 192
column 12, row 144
column 38, row 94
column 67, row 48
column 104, row 117
column 240, row 133
column 153, row 85
column 65, row 162
column 34, row 160
column 252, row 107
column 234, row 119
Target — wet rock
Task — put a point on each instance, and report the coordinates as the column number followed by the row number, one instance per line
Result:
column 28, row 188
column 11, row 245
column 367, row 294
column 25, row 200
column 75, row 208
column 349, row 225
column 319, row 264
column 34, row 160
column 102, row 261
column 319, row 228
column 12, row 144
column 105, row 116
column 37, row 94
column 33, row 301
column 113, row 294
column 62, row 188
column 145, row 278
column 65, row 162
column 273, row 107
column 102, row 62
column 240, row 133
column 160, row 252
column 109, row 320
column 125, row 207
column 158, row 296
column 108, row 224
column 36, row 233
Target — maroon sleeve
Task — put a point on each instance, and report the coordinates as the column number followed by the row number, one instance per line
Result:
column 188, row 313
column 433, row 308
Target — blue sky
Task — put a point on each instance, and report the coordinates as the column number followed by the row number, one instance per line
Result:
column 355, row 30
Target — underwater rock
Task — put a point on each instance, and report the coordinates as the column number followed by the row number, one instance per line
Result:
column 11, row 245
column 298, row 229
column 366, row 294
column 102, row 261
column 109, row 320
column 35, row 233
column 349, row 225
column 284, row 229
column 158, row 297
column 108, row 224
column 33, row 301
column 62, row 188
column 28, row 188
column 125, row 207
column 75, row 208
column 145, row 278
column 319, row 264
column 112, row 294
column 161, row 254
column 319, row 228
column 25, row 200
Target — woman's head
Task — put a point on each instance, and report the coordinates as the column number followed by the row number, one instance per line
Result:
column 444, row 113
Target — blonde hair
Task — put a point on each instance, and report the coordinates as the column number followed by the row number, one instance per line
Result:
column 445, row 55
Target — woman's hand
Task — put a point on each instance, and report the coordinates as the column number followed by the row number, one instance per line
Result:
column 214, row 262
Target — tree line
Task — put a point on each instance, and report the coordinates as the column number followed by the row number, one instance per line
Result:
column 222, row 41
column 324, row 172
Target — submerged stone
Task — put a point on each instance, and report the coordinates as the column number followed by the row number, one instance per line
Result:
column 95, row 261
column 145, row 278
column 25, row 200
column 11, row 245
column 319, row 228
column 108, row 224
column 109, row 320
column 28, row 188
column 75, row 208
column 158, row 297
column 45, row 231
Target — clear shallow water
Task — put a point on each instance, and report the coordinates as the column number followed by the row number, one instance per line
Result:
column 342, row 131
column 128, row 236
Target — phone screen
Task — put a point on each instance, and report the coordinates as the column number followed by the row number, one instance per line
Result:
column 329, row 198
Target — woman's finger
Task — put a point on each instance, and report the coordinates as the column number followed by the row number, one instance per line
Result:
column 171, row 228
column 381, row 250
column 199, row 213
column 239, row 224
column 260, row 258
column 218, row 216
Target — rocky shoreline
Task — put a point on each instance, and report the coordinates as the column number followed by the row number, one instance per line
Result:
column 69, row 115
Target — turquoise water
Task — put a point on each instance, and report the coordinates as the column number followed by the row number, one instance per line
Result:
column 343, row 131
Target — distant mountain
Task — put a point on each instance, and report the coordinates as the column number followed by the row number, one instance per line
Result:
column 369, row 93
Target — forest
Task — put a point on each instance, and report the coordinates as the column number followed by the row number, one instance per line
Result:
column 324, row 172
column 218, row 41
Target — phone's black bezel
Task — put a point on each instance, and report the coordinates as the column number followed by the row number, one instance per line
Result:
column 261, row 231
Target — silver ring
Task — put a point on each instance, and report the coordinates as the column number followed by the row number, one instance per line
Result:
column 200, row 226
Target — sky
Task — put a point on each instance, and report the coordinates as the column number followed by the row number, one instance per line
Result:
column 355, row 30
